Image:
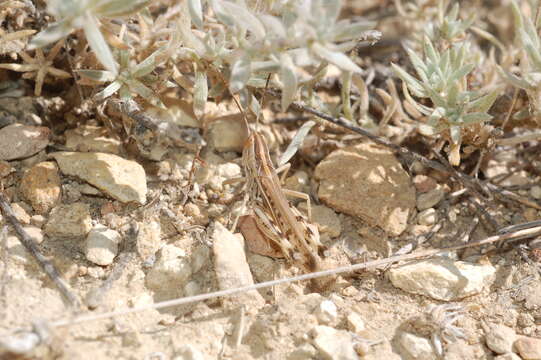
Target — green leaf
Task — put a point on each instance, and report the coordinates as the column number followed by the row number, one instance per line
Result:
column 289, row 80
column 146, row 66
column 336, row 58
column 413, row 84
column 52, row 33
column 108, row 91
column 484, row 103
column 296, row 142
column 240, row 74
column 97, row 75
column 196, row 13
column 98, row 44
column 476, row 117
column 200, row 94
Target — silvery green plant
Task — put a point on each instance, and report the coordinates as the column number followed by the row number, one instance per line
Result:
column 441, row 77
column 447, row 25
column 247, row 46
column 85, row 14
column 530, row 64
column 131, row 78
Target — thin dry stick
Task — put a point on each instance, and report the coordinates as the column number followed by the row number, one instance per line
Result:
column 30, row 245
column 518, row 235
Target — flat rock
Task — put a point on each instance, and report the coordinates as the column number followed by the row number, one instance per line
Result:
column 228, row 133
column 442, row 278
column 122, row 179
column 231, row 266
column 333, row 344
column 41, row 186
column 416, row 347
column 89, row 138
column 528, row 348
column 327, row 221
column 21, row 141
column 500, row 338
column 172, row 269
column 69, row 220
column 430, row 199
column 368, row 182
column 102, row 245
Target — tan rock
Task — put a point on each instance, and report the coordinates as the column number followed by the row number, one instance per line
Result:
column 88, row 138
column 228, row 133
column 327, row 221
column 21, row 141
column 41, row 186
column 368, row 182
column 69, row 220
column 20, row 213
column 121, row 179
column 528, row 348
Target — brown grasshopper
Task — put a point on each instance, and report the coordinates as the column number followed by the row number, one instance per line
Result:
column 275, row 217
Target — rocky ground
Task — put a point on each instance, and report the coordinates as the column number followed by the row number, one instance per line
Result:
column 155, row 228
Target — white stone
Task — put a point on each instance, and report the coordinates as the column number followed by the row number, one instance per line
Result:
column 122, row 179
column 355, row 323
column 442, row 278
column 228, row 170
column 500, row 339
column 327, row 312
column 333, row 344
column 172, row 269
column 508, row 356
column 188, row 352
column 535, row 192
column 148, row 239
column 231, row 266
column 35, row 233
column 102, row 245
column 416, row 347
column 427, row 217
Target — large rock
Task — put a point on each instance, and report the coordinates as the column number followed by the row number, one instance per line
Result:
column 231, row 267
column 41, row 186
column 21, row 141
column 442, row 278
column 122, row 179
column 368, row 182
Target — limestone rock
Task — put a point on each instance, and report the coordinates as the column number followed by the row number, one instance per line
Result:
column 367, row 181
column 326, row 312
column 41, row 186
column 355, row 323
column 88, row 138
column 231, row 267
column 327, row 221
column 21, row 141
column 500, row 339
column 148, row 239
column 172, row 269
column 442, row 278
column 122, row 179
column 102, row 245
column 228, row 133
column 416, row 347
column 333, row 344
column 528, row 348
column 20, row 213
column 69, row 220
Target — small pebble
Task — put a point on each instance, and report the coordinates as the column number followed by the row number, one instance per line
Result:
column 102, row 245
column 535, row 192
column 416, row 347
column 327, row 312
column 427, row 217
column 355, row 323
column 20, row 213
column 430, row 199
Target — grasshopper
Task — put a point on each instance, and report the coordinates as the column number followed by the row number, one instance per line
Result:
column 275, row 217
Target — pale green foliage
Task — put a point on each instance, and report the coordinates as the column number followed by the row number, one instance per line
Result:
column 131, row 78
column 448, row 26
column 530, row 65
column 250, row 45
column 77, row 14
column 442, row 78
